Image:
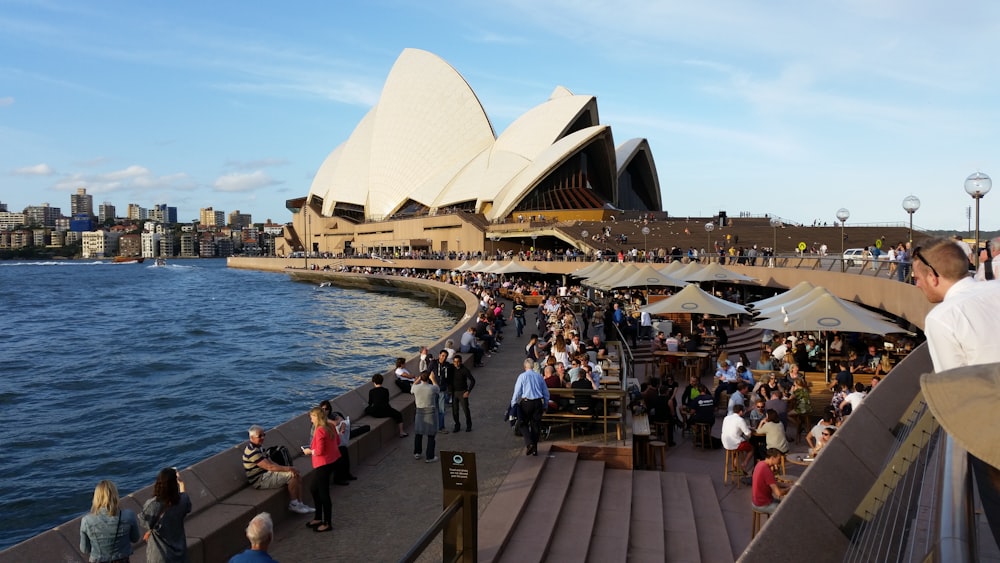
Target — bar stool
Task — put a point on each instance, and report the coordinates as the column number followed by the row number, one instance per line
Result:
column 733, row 468
column 756, row 523
column 702, row 435
column 657, row 454
column 660, row 430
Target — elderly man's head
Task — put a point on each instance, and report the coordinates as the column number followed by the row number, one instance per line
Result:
column 260, row 531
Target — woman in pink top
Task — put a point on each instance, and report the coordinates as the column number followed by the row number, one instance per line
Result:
column 325, row 450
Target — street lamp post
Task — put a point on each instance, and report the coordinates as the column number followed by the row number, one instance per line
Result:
column 583, row 236
column 774, row 243
column 977, row 185
column 495, row 239
column 645, row 248
column 911, row 204
column 709, row 227
column 534, row 237
column 843, row 215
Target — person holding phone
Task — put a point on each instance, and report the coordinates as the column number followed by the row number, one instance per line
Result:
column 325, row 451
column 163, row 516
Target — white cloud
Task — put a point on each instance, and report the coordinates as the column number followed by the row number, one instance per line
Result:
column 238, row 182
column 6, row 101
column 36, row 170
column 138, row 180
column 256, row 163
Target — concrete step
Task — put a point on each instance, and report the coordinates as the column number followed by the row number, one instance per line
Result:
column 529, row 540
column 679, row 530
column 508, row 503
column 609, row 541
column 579, row 513
column 713, row 536
column 645, row 536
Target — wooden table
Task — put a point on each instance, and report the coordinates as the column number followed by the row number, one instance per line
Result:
column 701, row 358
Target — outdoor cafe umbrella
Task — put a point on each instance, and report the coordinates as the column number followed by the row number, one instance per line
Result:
column 714, row 272
column 693, row 299
column 589, row 270
column 515, row 267
column 606, row 280
column 807, row 299
column 648, row 276
column 464, row 267
column 827, row 312
column 800, row 289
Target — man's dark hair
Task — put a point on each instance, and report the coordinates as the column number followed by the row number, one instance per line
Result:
column 737, row 408
column 377, row 379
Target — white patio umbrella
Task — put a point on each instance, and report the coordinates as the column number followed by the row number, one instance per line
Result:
column 715, row 272
column 648, row 276
column 588, row 270
column 606, row 279
column 693, row 299
column 515, row 267
column 800, row 289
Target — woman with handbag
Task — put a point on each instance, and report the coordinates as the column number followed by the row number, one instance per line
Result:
column 108, row 532
column 163, row 516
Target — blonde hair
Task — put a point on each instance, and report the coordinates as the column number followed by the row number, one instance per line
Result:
column 320, row 415
column 106, row 497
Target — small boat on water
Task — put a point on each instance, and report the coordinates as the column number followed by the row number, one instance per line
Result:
column 128, row 259
column 160, row 262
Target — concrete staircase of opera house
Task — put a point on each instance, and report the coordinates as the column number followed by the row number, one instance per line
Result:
column 560, row 507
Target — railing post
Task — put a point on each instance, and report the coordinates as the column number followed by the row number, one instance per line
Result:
column 458, row 475
column 954, row 516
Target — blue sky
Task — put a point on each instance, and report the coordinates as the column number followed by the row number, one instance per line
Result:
column 783, row 107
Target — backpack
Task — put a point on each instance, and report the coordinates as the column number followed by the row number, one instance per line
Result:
column 279, row 455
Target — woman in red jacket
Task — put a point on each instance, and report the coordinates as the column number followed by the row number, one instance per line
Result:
column 325, row 450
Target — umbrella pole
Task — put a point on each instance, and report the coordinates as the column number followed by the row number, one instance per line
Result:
column 827, row 340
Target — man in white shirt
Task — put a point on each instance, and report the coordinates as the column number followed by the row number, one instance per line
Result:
column 855, row 397
column 735, row 433
column 961, row 331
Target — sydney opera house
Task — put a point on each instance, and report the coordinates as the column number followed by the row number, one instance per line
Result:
column 424, row 170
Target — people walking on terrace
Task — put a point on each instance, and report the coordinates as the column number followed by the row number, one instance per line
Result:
column 324, row 449
column 961, row 331
column 262, row 473
column 461, row 386
column 531, row 397
column 260, row 532
column 425, row 423
column 517, row 315
column 163, row 516
column 378, row 404
column 766, row 493
column 108, row 531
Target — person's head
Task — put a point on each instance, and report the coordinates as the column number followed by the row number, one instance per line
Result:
column 260, row 531
column 424, row 352
column 776, row 394
column 738, row 409
column 828, row 432
column 871, row 350
column 793, row 371
column 442, row 356
column 166, row 490
column 548, row 370
column 317, row 416
column 693, row 380
column 773, row 456
column 937, row 264
column 377, row 379
column 529, row 364
column 106, row 498
column 256, row 434
column 875, row 380
column 400, row 362
column 425, row 376
column 449, row 344
column 561, row 368
column 742, row 388
column 457, row 360
column 533, row 338
column 859, row 387
column 828, row 413
column 772, row 415
column 760, row 406
column 326, row 406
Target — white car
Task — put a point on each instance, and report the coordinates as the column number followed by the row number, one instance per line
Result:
column 856, row 256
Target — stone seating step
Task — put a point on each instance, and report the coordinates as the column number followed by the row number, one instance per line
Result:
column 713, row 536
column 529, row 540
column 579, row 514
column 679, row 530
column 508, row 503
column 609, row 541
column 646, row 530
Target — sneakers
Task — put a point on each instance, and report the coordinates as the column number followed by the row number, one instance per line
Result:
column 416, row 456
column 442, row 430
column 299, row 507
column 431, row 460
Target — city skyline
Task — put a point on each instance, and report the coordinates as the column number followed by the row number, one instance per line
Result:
column 789, row 109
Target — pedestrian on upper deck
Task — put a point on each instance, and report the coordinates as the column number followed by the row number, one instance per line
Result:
column 108, row 531
column 163, row 515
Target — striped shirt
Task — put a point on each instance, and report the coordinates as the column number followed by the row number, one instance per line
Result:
column 252, row 455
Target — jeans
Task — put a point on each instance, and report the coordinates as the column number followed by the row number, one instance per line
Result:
column 457, row 401
column 418, row 445
column 519, row 325
column 442, row 403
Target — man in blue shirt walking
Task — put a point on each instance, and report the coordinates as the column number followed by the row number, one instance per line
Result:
column 531, row 396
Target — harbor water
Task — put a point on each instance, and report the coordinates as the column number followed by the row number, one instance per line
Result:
column 114, row 371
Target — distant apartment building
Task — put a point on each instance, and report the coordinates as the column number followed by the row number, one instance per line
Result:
column 239, row 220
column 80, row 203
column 130, row 245
column 189, row 245
column 40, row 237
column 81, row 223
column 150, row 244
column 161, row 213
column 136, row 212
column 168, row 245
column 210, row 218
column 106, row 213
column 57, row 239
column 207, row 245
column 10, row 221
column 274, row 229
column 62, row 223
column 42, row 215
column 73, row 237
column 16, row 239
column 3, row 206
column 99, row 244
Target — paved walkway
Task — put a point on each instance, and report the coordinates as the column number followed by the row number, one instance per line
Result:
column 382, row 514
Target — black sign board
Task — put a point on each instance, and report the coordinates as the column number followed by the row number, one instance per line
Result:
column 458, row 472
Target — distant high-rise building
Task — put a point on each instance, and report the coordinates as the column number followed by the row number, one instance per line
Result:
column 3, row 206
column 81, row 203
column 239, row 220
column 136, row 213
column 106, row 212
column 42, row 215
column 161, row 213
column 211, row 218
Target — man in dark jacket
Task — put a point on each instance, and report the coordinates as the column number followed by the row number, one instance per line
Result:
column 461, row 387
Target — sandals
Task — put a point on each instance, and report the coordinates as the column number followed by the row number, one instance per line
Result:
column 314, row 524
column 403, row 435
column 321, row 529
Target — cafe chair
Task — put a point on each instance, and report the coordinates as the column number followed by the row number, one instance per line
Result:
column 756, row 523
column 733, row 470
column 702, row 435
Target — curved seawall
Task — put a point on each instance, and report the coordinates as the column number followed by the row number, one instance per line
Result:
column 217, row 521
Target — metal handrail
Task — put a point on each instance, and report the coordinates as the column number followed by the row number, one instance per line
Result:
column 432, row 532
column 954, row 520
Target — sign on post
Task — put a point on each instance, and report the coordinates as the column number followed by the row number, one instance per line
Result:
column 458, row 476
